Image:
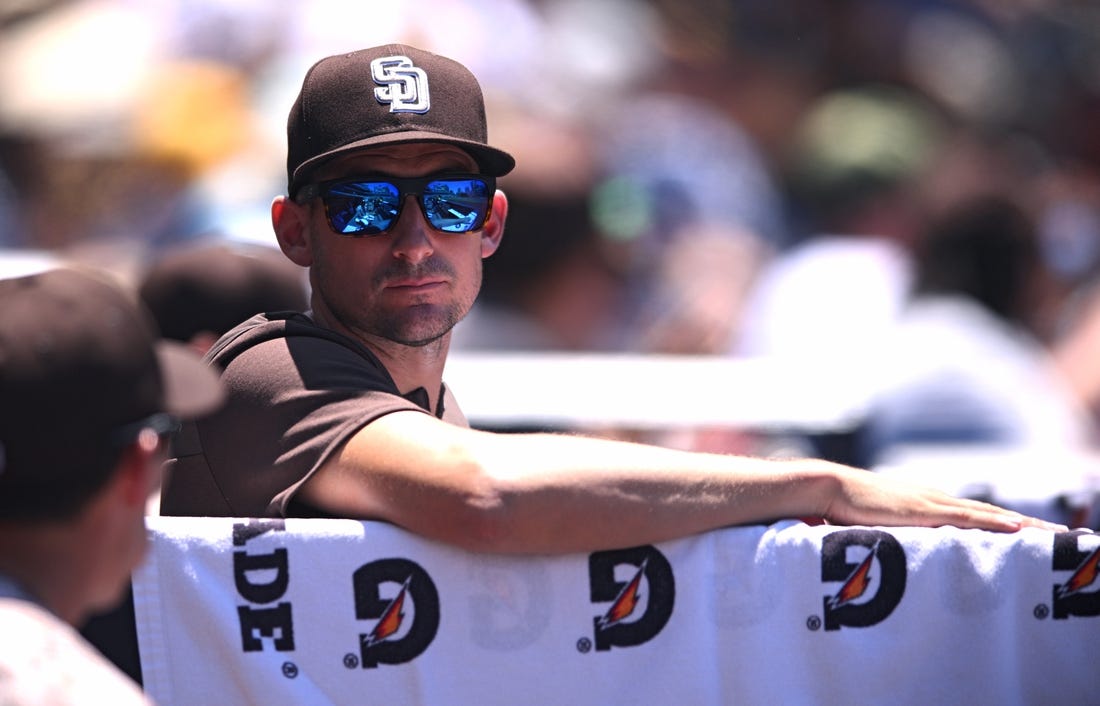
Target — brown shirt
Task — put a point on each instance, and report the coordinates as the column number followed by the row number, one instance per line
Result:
column 296, row 393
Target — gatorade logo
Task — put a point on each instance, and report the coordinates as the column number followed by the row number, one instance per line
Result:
column 871, row 585
column 640, row 606
column 261, row 579
column 1080, row 593
column 401, row 599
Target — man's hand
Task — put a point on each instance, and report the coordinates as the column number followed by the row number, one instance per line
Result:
column 864, row 498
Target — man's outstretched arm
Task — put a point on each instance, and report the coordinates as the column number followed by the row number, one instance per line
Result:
column 555, row 493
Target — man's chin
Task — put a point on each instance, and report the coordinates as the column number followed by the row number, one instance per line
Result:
column 421, row 335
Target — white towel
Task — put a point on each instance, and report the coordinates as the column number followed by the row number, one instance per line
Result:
column 780, row 614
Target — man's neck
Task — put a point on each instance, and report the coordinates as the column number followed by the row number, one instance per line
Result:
column 45, row 570
column 411, row 367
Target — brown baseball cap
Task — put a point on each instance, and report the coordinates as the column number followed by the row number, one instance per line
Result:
column 388, row 95
column 82, row 368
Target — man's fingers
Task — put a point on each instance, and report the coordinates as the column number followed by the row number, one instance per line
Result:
column 987, row 516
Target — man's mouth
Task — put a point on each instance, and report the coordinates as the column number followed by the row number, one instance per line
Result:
column 425, row 283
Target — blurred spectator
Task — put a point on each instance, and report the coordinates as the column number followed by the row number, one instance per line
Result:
column 108, row 140
column 197, row 293
column 855, row 163
column 695, row 212
column 963, row 364
column 1071, row 230
column 696, row 291
column 689, row 184
column 1076, row 349
column 553, row 285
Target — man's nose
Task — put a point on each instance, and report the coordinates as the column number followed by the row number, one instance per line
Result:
column 412, row 234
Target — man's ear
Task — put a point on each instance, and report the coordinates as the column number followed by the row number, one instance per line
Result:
column 493, row 230
column 138, row 472
column 289, row 220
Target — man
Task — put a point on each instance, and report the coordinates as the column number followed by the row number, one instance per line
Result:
column 87, row 398
column 343, row 411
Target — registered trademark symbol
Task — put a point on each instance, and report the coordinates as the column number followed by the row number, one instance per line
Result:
column 813, row 622
column 351, row 661
column 584, row 645
column 1042, row 611
column 290, row 670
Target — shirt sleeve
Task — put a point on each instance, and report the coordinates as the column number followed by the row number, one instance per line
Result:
column 292, row 402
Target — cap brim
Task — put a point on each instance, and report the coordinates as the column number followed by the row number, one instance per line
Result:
column 191, row 388
column 490, row 160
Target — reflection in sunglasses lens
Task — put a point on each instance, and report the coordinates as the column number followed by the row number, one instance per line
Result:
column 371, row 207
column 456, row 206
column 367, row 208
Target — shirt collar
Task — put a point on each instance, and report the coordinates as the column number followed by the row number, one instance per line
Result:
column 419, row 397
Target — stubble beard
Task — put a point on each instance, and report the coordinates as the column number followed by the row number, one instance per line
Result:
column 416, row 325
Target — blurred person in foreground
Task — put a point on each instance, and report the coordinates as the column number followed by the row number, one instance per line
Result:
column 88, row 395
column 342, row 411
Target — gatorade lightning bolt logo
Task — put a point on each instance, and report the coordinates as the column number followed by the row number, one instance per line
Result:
column 640, row 608
column 1084, row 577
column 625, row 602
column 406, row 623
column 857, row 583
column 1080, row 594
column 390, row 622
column 854, row 604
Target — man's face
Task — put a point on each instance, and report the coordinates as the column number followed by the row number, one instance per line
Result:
column 410, row 285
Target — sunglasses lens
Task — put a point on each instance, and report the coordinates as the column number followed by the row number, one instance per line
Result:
column 452, row 205
column 456, row 205
column 363, row 208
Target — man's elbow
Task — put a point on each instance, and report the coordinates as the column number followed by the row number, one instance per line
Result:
column 484, row 518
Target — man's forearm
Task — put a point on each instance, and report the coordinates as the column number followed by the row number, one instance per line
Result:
column 549, row 493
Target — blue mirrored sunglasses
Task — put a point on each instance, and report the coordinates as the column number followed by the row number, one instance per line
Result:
column 370, row 205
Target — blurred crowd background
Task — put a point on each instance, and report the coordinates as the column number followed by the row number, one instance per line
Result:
column 910, row 186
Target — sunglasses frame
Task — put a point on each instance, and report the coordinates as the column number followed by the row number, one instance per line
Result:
column 406, row 187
